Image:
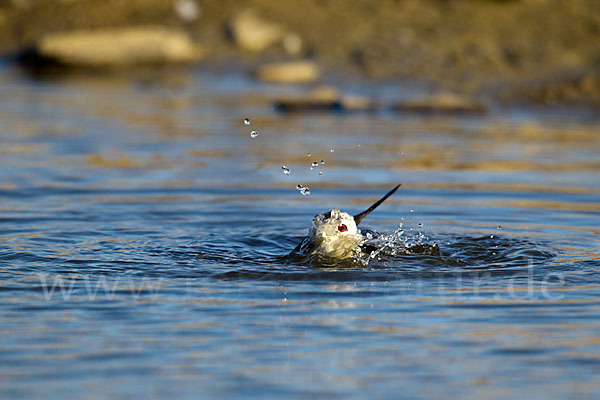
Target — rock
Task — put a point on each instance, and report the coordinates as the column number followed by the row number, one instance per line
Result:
column 117, row 47
column 289, row 72
column 187, row 10
column 359, row 103
column 442, row 103
column 325, row 98
column 292, row 44
column 254, row 34
column 325, row 93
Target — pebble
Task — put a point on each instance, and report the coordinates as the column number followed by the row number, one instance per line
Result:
column 289, row 72
column 187, row 10
column 325, row 98
column 117, row 47
column 253, row 33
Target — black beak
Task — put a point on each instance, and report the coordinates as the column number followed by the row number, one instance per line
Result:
column 359, row 217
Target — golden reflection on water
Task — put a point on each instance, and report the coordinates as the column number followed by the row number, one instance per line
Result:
column 98, row 177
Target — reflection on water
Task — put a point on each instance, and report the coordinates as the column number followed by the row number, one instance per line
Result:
column 145, row 236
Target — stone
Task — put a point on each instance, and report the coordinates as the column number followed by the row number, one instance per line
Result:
column 254, row 34
column 187, row 10
column 292, row 44
column 442, row 103
column 118, row 47
column 289, row 72
column 325, row 98
column 358, row 103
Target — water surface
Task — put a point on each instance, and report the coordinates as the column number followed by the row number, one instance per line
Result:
column 144, row 240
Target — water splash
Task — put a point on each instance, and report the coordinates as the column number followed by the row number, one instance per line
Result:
column 374, row 246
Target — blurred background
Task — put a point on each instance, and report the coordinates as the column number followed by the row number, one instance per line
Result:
column 540, row 51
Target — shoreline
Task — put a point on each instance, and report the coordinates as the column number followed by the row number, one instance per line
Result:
column 533, row 51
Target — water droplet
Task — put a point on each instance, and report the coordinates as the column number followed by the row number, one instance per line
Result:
column 308, row 154
column 254, row 134
column 420, row 225
column 322, row 162
column 305, row 191
column 331, row 150
column 499, row 227
column 411, row 210
column 285, row 170
column 314, row 164
column 491, row 236
column 320, row 172
column 246, row 121
column 299, row 186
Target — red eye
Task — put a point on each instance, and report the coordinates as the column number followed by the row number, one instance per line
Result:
column 342, row 228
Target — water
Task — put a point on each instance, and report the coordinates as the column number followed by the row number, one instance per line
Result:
column 145, row 241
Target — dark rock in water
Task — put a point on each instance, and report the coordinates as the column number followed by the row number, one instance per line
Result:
column 306, row 105
column 115, row 48
column 325, row 98
column 443, row 103
column 289, row 72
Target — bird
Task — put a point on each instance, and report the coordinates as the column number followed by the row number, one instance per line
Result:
column 335, row 233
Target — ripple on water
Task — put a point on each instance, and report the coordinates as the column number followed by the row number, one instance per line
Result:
column 166, row 234
column 397, row 257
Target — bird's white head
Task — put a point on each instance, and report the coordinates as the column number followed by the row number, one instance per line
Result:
column 333, row 223
column 335, row 233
